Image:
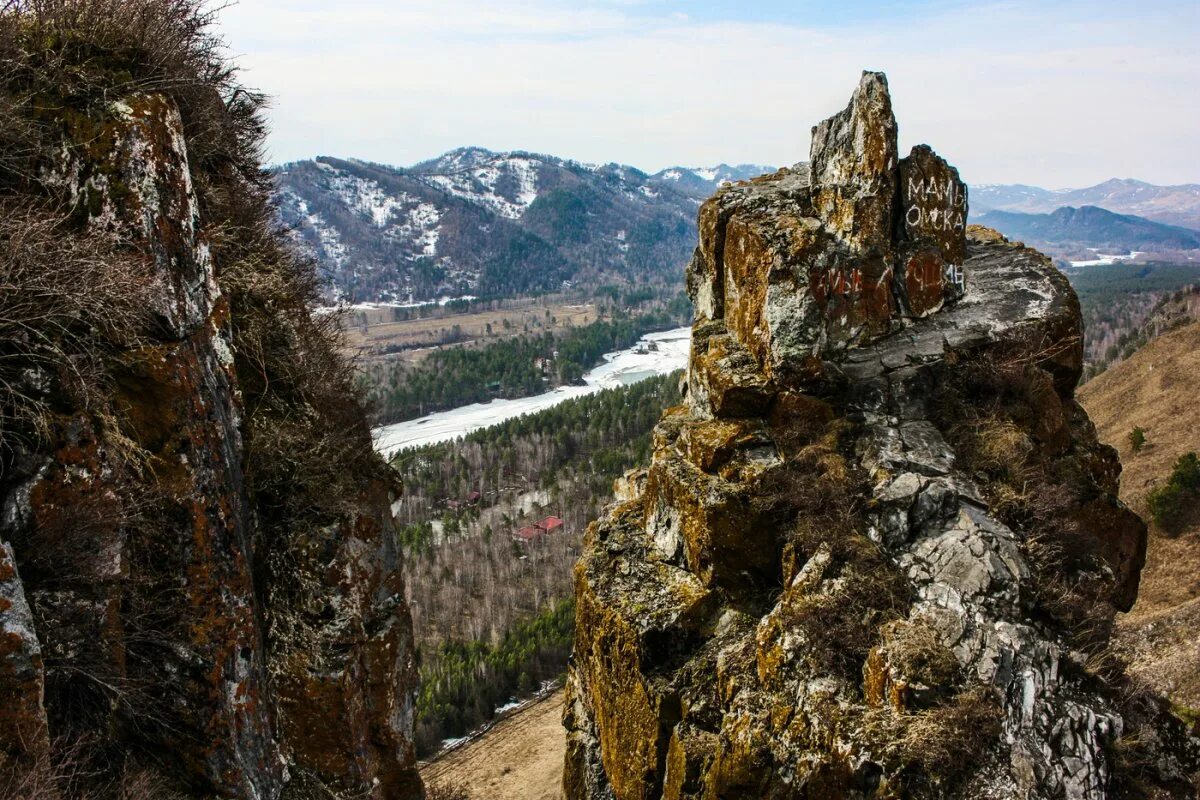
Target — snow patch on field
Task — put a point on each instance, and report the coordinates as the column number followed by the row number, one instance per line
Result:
column 655, row 354
column 441, row 301
column 1102, row 260
column 509, row 706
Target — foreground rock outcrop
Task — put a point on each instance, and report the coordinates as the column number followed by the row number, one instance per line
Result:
column 200, row 584
column 878, row 552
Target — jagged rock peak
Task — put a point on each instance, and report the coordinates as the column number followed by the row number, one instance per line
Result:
column 802, row 264
column 878, row 551
column 853, row 163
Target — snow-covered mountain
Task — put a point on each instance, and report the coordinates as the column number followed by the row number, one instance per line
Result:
column 703, row 181
column 477, row 222
column 1173, row 205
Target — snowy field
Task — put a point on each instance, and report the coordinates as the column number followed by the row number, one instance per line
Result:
column 441, row 301
column 621, row 368
column 1102, row 260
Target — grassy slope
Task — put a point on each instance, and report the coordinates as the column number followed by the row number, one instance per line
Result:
column 1158, row 389
column 521, row 757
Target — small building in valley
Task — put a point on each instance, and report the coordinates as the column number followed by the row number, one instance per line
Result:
column 529, row 533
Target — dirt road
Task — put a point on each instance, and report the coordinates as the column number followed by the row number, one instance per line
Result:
column 521, row 758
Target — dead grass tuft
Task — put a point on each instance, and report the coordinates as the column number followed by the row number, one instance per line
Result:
column 915, row 651
column 935, row 749
column 948, row 740
column 447, row 791
column 1001, row 447
column 78, row 769
column 67, row 300
column 1036, row 468
column 818, row 498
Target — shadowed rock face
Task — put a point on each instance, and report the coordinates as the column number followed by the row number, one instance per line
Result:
column 158, row 619
column 932, row 219
column 877, row 552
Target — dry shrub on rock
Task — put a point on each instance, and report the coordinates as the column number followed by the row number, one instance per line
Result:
column 447, row 791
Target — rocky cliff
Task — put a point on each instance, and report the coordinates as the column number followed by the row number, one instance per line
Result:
column 878, row 551
column 200, row 587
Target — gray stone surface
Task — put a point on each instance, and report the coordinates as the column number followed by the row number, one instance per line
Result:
column 728, row 692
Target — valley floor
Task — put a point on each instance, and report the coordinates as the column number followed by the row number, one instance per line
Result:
column 519, row 758
column 372, row 335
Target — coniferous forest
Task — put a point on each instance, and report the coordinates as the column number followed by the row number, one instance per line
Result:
column 520, row 366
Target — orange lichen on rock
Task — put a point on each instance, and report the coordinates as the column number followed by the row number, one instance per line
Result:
column 874, row 544
column 173, row 596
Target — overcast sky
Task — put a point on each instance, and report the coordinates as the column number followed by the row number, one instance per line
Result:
column 1056, row 94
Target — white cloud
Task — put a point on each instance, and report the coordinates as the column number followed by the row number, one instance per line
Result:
column 1006, row 91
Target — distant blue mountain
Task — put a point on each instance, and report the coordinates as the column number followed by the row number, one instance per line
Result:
column 1092, row 227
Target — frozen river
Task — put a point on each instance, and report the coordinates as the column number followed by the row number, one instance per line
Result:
column 654, row 354
column 1102, row 260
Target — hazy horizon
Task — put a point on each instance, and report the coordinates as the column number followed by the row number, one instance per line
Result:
column 432, row 156
column 1010, row 92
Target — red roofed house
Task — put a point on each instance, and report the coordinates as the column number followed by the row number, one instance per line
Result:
column 528, row 534
column 550, row 524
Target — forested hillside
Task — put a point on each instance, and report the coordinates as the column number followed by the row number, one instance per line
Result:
column 1126, row 305
column 474, row 222
column 492, row 613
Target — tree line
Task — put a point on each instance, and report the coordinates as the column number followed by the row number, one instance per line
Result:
column 1126, row 305
column 520, row 366
column 487, row 610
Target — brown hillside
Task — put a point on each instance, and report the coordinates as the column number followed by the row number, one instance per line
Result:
column 520, row 757
column 1158, row 389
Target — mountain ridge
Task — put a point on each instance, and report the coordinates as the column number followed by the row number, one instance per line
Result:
column 474, row 221
column 1093, row 226
column 478, row 222
column 1177, row 204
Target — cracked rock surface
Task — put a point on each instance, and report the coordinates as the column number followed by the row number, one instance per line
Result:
column 878, row 550
column 152, row 607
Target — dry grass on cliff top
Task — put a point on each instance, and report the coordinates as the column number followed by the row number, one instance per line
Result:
column 1157, row 389
column 70, row 297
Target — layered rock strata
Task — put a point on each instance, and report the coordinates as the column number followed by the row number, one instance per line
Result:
column 154, row 615
column 878, row 550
